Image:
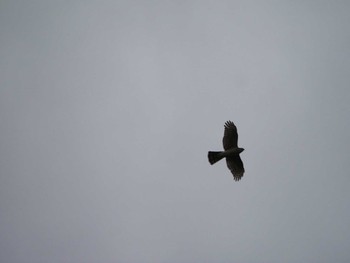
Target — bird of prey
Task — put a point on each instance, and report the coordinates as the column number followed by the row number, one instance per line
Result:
column 231, row 153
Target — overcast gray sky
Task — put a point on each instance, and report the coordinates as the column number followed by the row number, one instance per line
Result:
column 108, row 109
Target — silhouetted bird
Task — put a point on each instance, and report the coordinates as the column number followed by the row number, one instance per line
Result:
column 231, row 153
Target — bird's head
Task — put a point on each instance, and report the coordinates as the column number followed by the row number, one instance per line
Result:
column 240, row 150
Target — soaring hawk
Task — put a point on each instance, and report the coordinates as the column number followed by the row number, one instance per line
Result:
column 231, row 153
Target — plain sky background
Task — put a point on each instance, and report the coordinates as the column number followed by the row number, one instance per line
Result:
column 108, row 110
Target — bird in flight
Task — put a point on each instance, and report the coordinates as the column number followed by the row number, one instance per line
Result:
column 231, row 152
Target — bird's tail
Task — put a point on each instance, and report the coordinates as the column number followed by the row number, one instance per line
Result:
column 214, row 157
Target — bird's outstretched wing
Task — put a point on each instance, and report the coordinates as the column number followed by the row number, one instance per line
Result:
column 235, row 164
column 230, row 136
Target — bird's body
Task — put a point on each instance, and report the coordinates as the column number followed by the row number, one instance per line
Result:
column 231, row 152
